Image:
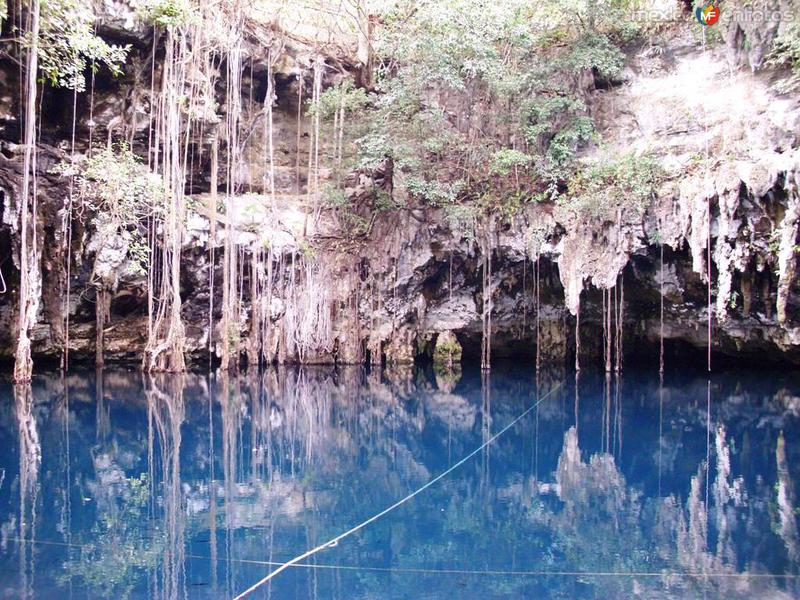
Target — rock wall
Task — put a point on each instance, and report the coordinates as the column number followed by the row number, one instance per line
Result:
column 727, row 141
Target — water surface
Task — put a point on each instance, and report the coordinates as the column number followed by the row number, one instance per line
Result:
column 115, row 485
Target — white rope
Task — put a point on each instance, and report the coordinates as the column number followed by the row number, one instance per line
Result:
column 335, row 541
column 512, row 573
column 486, row 572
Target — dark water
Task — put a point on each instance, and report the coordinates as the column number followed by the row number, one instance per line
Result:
column 120, row 486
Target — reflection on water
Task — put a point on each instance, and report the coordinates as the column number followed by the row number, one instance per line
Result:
column 116, row 485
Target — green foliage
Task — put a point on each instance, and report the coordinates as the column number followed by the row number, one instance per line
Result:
column 462, row 219
column 120, row 192
column 307, row 250
column 382, row 200
column 334, row 197
column 506, row 159
column 460, row 82
column 68, row 45
column 447, row 350
column 345, row 94
column 168, row 13
column 556, row 124
column 786, row 53
column 603, row 186
column 373, row 149
column 234, row 336
column 596, row 51
column 114, row 181
column 432, row 53
column 435, row 193
column 562, row 147
column 115, row 554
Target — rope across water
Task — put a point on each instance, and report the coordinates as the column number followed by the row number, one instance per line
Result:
column 334, row 541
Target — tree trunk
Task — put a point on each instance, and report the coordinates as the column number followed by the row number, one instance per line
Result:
column 364, row 52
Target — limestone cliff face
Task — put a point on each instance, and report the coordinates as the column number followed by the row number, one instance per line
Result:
column 726, row 140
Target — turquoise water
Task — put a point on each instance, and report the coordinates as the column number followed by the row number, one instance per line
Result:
column 117, row 485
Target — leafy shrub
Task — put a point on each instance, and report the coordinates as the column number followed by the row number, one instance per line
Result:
column 505, row 159
column 168, row 13
column 462, row 219
column 68, row 45
column 434, row 193
column 786, row 53
column 604, row 186
column 120, row 194
column 331, row 100
column 595, row 51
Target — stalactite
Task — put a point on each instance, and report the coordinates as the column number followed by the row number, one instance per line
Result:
column 450, row 277
column 30, row 276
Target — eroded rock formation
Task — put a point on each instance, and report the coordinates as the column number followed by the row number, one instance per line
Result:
column 392, row 288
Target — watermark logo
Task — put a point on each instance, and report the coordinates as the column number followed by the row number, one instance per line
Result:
column 708, row 14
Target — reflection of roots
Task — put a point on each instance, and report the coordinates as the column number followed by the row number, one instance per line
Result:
column 30, row 450
column 166, row 409
column 30, row 460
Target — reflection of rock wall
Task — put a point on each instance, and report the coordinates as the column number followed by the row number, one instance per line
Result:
column 603, row 516
column 296, row 448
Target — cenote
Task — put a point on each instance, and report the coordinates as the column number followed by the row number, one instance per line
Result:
column 399, row 299
column 123, row 485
